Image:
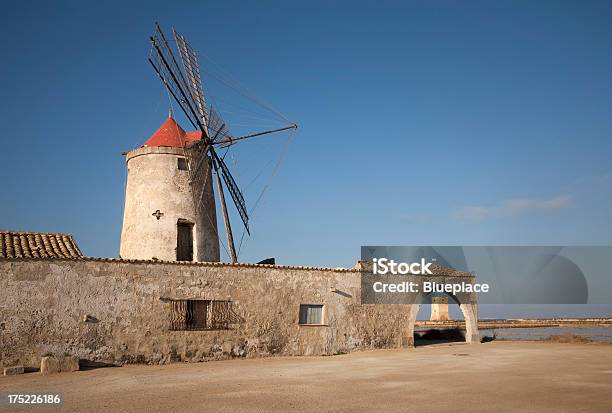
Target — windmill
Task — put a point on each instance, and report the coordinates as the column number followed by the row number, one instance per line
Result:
column 184, row 83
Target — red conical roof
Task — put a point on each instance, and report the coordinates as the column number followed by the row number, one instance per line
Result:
column 171, row 134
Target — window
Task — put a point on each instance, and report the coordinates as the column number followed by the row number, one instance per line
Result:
column 202, row 315
column 182, row 164
column 311, row 314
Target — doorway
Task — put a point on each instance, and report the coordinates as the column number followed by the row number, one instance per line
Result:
column 184, row 241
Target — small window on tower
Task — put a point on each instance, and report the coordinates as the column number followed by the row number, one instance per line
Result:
column 182, row 164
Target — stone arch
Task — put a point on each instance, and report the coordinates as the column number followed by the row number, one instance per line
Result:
column 470, row 315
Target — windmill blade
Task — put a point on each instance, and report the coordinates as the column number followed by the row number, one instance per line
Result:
column 231, row 140
column 189, row 60
column 233, row 188
column 163, row 61
column 217, row 127
column 166, row 79
column 169, row 55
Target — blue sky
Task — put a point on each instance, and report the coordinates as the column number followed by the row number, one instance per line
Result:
column 421, row 123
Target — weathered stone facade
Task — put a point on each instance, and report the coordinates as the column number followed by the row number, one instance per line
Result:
column 117, row 311
column 158, row 196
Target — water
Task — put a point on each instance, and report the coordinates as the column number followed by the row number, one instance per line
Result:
column 601, row 334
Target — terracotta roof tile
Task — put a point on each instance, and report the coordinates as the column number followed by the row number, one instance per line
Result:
column 16, row 244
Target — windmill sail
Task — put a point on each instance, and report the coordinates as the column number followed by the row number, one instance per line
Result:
column 163, row 61
column 234, row 191
column 217, row 127
column 189, row 60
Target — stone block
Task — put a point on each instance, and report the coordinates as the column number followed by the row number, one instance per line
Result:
column 49, row 365
column 13, row 371
column 52, row 364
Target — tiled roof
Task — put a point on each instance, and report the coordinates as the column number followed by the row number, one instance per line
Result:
column 451, row 272
column 436, row 269
column 14, row 244
column 171, row 134
column 199, row 264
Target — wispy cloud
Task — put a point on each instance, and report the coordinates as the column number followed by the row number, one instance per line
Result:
column 510, row 208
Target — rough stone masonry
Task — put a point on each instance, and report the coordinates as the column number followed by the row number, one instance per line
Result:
column 119, row 311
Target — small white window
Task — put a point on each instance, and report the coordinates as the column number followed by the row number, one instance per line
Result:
column 311, row 314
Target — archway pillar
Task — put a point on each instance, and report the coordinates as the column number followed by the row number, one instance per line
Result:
column 470, row 315
column 412, row 315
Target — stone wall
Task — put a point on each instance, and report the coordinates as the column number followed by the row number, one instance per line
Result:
column 117, row 311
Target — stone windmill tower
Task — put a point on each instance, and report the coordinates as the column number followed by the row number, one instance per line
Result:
column 170, row 209
column 163, row 218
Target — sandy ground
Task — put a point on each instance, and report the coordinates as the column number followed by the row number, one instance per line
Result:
column 497, row 376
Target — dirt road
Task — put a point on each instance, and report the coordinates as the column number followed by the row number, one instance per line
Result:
column 497, row 376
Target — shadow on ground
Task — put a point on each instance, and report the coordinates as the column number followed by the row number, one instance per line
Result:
column 433, row 336
column 85, row 364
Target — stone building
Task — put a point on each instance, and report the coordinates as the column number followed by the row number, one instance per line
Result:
column 161, row 302
column 127, row 311
column 163, row 219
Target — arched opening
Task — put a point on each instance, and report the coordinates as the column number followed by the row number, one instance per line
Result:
column 469, row 312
